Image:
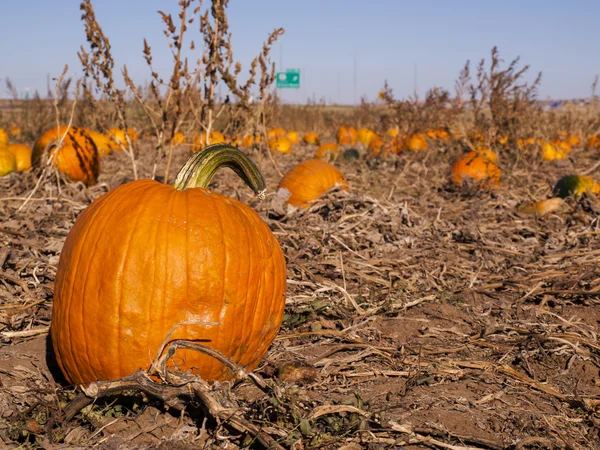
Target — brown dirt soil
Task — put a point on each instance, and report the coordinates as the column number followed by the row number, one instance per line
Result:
column 427, row 316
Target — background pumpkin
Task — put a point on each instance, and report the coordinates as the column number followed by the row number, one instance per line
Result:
column 73, row 151
column 327, row 152
column 309, row 180
column 102, row 141
column 8, row 162
column 280, row 144
column 375, row 145
column 293, row 136
column 276, row 133
column 14, row 130
column 487, row 153
column 146, row 256
column 575, row 185
column 200, row 142
column 347, row 136
column 3, row 139
column 365, row 135
column 416, row 142
column 22, row 154
column 178, row 138
column 477, row 167
column 311, row 138
column 542, row 207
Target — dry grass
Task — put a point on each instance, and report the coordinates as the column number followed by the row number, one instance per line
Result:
column 433, row 317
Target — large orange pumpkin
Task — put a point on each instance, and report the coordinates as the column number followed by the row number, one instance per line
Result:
column 477, row 167
column 309, row 180
column 73, row 151
column 147, row 259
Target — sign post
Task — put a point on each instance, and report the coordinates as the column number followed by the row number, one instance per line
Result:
column 288, row 79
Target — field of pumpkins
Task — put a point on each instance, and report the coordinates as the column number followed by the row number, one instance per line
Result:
column 346, row 287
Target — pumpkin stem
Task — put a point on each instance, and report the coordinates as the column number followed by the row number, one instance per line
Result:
column 200, row 169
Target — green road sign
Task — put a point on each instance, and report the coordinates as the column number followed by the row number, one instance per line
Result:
column 288, row 79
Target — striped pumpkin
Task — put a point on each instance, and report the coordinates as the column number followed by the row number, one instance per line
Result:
column 73, row 151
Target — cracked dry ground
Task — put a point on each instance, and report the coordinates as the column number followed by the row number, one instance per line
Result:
column 435, row 317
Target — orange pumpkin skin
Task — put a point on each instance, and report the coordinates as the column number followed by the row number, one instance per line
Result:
column 175, row 256
column 327, row 152
column 476, row 166
column 22, row 154
column 77, row 157
column 276, row 133
column 311, row 138
column 416, row 142
column 375, row 145
column 347, row 136
column 309, row 180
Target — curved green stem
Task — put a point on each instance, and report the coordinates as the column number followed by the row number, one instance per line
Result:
column 202, row 166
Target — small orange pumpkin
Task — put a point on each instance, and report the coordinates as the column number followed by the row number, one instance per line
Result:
column 375, row 145
column 276, row 133
column 393, row 132
column 247, row 140
column 487, row 153
column 573, row 141
column 3, row 139
column 416, row 142
column 280, row 144
column 593, row 142
column 147, row 259
column 477, row 167
column 73, row 151
column 311, row 138
column 347, row 136
column 178, row 139
column 14, row 130
column 293, row 136
column 552, row 152
column 309, row 180
column 8, row 162
column 22, row 154
column 328, row 152
column 103, row 143
column 542, row 207
column 365, row 135
column 117, row 136
column 575, row 185
column 200, row 141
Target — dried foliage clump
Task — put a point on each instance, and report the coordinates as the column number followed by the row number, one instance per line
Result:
column 501, row 100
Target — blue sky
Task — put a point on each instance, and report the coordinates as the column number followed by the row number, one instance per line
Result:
column 389, row 38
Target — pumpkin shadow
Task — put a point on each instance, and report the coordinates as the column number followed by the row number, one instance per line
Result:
column 52, row 363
